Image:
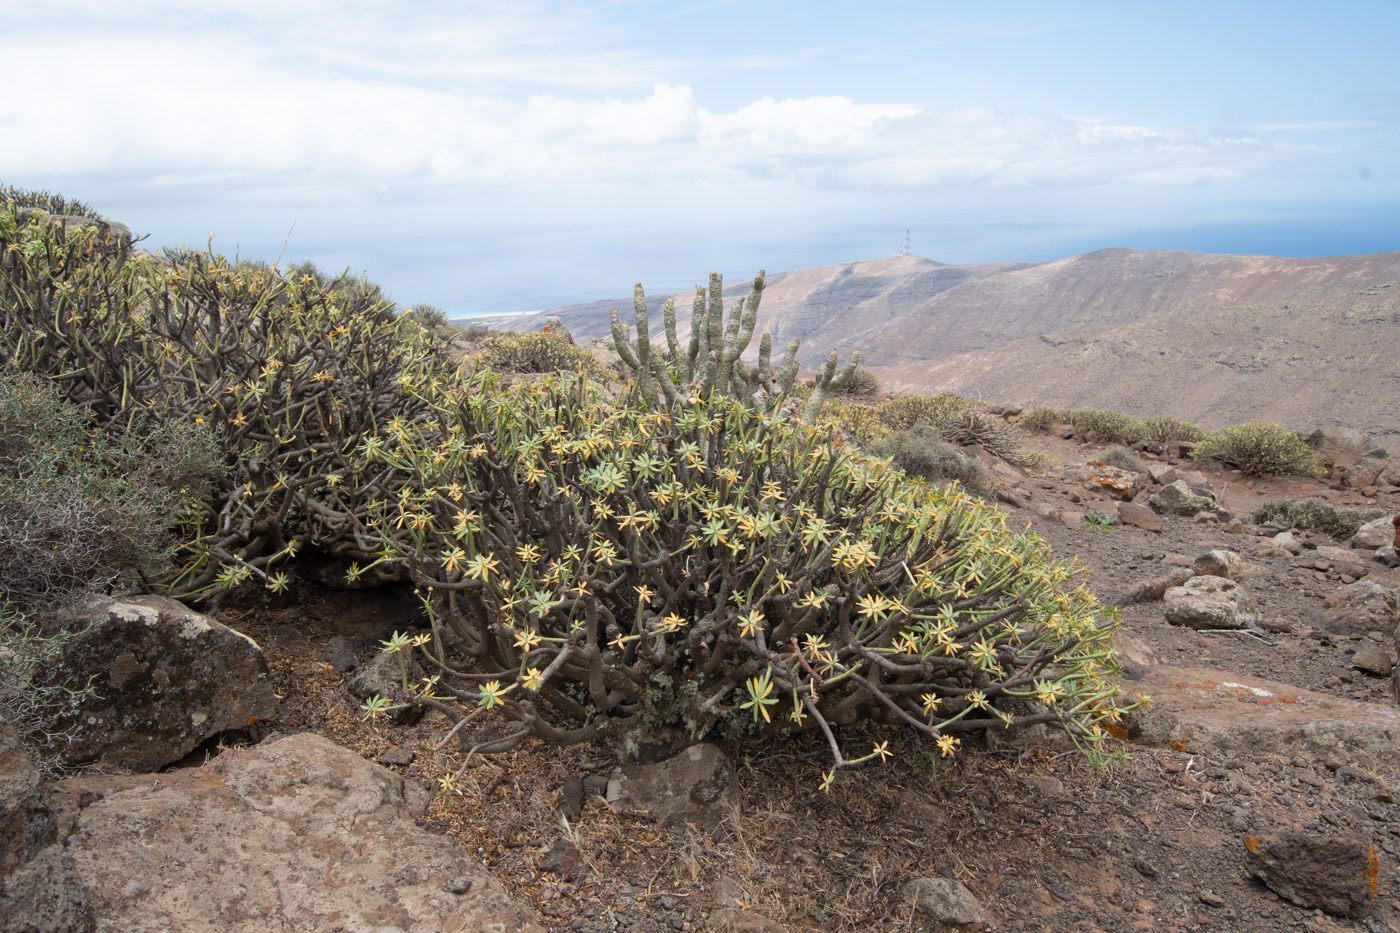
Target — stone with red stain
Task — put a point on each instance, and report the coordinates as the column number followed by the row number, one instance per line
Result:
column 1335, row 874
column 1120, row 484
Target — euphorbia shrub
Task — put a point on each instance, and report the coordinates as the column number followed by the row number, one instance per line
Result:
column 593, row 568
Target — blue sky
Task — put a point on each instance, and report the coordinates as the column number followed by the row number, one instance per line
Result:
column 504, row 157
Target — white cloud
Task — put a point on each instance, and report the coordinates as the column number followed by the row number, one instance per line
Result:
column 368, row 94
column 1313, row 126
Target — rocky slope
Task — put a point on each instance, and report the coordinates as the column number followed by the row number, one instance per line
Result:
column 1215, row 339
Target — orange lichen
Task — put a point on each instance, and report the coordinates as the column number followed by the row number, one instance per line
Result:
column 1373, row 871
column 1252, row 843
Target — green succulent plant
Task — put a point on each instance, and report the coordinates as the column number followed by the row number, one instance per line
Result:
column 711, row 361
column 593, row 568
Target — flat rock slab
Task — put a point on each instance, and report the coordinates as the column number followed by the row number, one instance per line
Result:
column 296, row 834
column 1198, row 708
column 697, row 786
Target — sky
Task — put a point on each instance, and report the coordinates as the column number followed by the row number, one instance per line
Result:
column 501, row 157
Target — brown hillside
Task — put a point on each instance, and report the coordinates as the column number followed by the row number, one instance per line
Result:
column 1212, row 338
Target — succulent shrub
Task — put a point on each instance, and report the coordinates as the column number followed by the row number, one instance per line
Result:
column 290, row 371
column 920, row 451
column 1042, row 419
column 1260, row 448
column 854, row 421
column 1314, row 514
column 537, row 352
column 1107, row 427
column 905, row 411
column 1164, row 430
column 46, row 201
column 710, row 362
column 593, row 568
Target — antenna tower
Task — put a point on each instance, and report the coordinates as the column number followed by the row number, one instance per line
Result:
column 904, row 245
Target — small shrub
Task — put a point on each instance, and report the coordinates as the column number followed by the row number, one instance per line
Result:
column 919, row 451
column 78, row 511
column 968, row 425
column 426, row 316
column 1314, row 514
column 909, row 410
column 1123, row 459
column 537, row 352
column 1164, row 430
column 1042, row 419
column 860, row 383
column 858, row 422
column 45, row 201
column 1103, row 426
column 1260, row 448
column 33, row 709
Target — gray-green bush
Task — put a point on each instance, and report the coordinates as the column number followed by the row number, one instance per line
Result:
column 32, row 707
column 80, row 511
column 1315, row 514
column 920, row 451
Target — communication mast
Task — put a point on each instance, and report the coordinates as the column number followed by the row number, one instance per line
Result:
column 904, row 246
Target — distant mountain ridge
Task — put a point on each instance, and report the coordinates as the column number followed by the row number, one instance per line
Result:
column 1214, row 338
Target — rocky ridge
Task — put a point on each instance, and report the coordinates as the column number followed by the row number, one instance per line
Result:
column 1215, row 339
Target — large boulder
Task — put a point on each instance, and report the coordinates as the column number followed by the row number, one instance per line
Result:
column 26, row 822
column 39, row 892
column 1180, row 499
column 1234, row 715
column 164, row 679
column 1206, row 602
column 1358, row 608
column 108, row 236
column 296, row 834
column 1339, row 448
column 1376, row 534
column 1365, row 472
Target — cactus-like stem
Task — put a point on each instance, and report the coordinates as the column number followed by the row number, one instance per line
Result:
column 699, row 324
column 787, row 369
column 646, row 383
column 827, row 379
column 668, row 317
column 638, row 360
column 712, row 362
